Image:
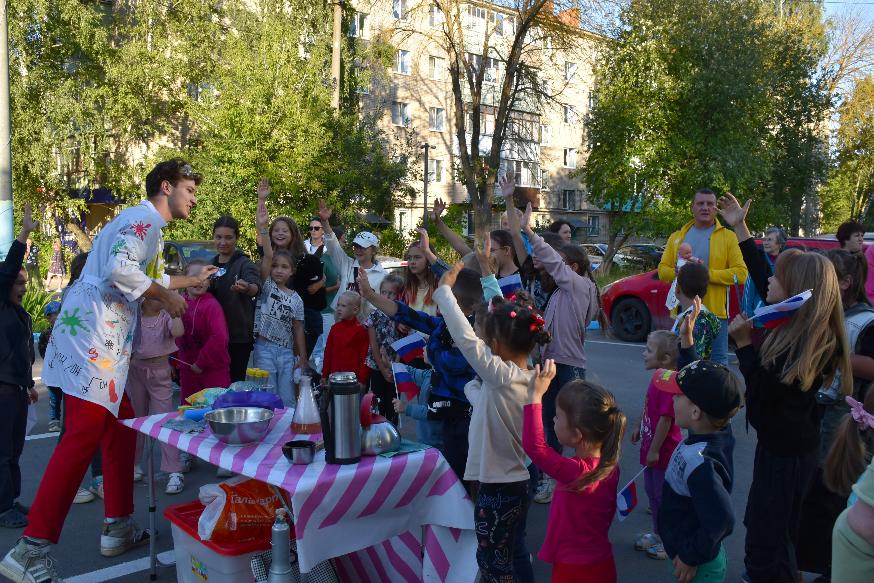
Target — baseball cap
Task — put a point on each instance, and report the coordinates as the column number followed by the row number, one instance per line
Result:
column 366, row 239
column 52, row 308
column 710, row 385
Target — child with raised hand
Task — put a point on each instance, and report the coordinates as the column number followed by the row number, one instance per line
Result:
column 496, row 459
column 204, row 361
column 696, row 512
column 279, row 320
column 382, row 331
column 587, row 420
column 657, row 433
column 570, row 309
column 692, row 282
column 797, row 357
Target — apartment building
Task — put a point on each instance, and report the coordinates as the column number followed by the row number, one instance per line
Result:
column 546, row 140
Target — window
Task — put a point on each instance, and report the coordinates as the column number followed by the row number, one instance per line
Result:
column 570, row 157
column 399, row 9
column 436, row 68
column 544, row 180
column 568, row 199
column 436, row 116
column 358, row 26
column 505, row 24
column 403, row 62
column 435, row 170
column 476, row 17
column 402, row 221
column 400, row 114
column 570, row 115
column 526, row 173
column 593, row 100
column 435, row 17
column 545, row 135
column 570, row 71
column 486, row 123
column 594, row 224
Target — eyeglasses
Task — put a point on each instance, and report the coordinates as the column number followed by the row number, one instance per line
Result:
column 312, row 228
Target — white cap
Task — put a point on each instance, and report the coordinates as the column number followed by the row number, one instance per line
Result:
column 366, row 239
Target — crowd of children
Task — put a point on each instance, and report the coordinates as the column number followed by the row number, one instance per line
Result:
column 503, row 390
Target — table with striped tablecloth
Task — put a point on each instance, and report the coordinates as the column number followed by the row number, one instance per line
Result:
column 406, row 518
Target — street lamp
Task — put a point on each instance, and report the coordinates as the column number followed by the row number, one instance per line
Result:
column 426, row 147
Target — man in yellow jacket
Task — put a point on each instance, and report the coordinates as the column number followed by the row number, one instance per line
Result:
column 717, row 248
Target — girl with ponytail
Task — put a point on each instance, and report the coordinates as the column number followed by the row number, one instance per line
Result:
column 588, row 421
column 508, row 331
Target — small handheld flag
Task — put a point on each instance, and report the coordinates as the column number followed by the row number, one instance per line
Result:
column 775, row 314
column 626, row 498
column 510, row 284
column 409, row 347
column 403, row 381
column 737, row 293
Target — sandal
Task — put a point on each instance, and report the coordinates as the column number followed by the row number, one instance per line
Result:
column 12, row 518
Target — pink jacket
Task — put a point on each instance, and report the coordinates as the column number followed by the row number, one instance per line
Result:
column 869, row 283
column 205, row 342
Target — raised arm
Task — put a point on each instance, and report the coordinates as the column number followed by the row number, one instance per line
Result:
column 508, row 187
column 341, row 261
column 454, row 239
column 735, row 216
column 425, row 246
column 11, row 266
column 378, row 301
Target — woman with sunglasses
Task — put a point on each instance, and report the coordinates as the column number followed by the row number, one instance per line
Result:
column 317, row 236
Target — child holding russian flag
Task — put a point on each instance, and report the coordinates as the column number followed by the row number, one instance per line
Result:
column 588, row 421
column 382, row 331
column 800, row 355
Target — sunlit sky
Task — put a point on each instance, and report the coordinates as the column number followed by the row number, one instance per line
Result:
column 863, row 7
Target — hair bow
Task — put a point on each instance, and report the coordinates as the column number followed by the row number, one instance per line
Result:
column 537, row 323
column 863, row 418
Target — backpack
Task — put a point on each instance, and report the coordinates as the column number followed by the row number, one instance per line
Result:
column 856, row 320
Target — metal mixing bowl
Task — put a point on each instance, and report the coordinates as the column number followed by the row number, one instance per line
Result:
column 239, row 425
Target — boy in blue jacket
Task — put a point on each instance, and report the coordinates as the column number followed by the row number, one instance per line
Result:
column 696, row 512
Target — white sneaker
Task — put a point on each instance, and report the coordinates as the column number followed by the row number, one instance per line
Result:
column 657, row 552
column 545, row 490
column 54, row 426
column 83, row 496
column 175, row 484
column 646, row 541
column 120, row 536
column 26, row 563
column 138, row 473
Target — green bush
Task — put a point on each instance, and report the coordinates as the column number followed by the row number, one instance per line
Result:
column 34, row 302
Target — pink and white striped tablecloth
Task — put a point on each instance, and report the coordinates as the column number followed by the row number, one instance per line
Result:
column 407, row 518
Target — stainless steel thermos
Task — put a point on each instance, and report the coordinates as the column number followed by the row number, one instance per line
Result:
column 341, row 418
column 280, row 563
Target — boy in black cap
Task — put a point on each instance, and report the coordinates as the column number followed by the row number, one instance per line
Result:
column 696, row 512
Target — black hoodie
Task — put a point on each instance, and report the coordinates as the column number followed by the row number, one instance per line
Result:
column 16, row 335
column 239, row 308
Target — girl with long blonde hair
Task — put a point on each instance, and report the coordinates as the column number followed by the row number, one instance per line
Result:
column 799, row 356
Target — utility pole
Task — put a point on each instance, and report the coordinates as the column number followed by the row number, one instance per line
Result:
column 6, row 220
column 336, row 54
column 425, row 147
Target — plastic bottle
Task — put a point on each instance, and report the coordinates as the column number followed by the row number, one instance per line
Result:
column 306, row 418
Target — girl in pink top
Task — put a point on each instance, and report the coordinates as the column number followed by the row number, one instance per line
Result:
column 203, row 350
column 588, row 420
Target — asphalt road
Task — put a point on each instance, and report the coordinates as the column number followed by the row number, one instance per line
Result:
column 615, row 365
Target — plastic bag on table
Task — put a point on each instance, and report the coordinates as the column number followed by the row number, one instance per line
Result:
column 240, row 509
column 270, row 401
column 206, row 397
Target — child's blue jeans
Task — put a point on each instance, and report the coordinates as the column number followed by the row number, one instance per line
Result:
column 278, row 361
column 55, row 395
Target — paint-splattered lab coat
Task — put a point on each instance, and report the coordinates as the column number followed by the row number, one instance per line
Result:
column 89, row 352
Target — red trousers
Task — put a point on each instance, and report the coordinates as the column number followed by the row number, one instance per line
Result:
column 87, row 427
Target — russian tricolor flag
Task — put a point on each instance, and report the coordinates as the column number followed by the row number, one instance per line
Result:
column 775, row 314
column 403, row 381
column 626, row 500
column 409, row 347
column 510, row 284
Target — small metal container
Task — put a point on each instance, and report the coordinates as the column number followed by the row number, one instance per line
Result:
column 299, row 451
column 239, row 425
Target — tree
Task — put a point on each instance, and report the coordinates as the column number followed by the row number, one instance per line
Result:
column 500, row 64
column 704, row 93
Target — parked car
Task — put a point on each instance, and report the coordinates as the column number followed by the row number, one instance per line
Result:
column 635, row 305
column 642, row 255
column 596, row 254
column 391, row 264
column 178, row 254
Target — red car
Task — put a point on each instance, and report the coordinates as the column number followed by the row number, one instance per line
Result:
column 635, row 305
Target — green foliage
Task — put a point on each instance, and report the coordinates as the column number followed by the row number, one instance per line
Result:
column 706, row 93
column 34, row 302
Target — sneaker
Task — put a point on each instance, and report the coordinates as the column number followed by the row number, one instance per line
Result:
column 175, row 484
column 646, row 541
column 97, row 486
column 138, row 473
column 28, row 563
column 54, row 426
column 120, row 536
column 545, row 490
column 83, row 496
column 657, row 552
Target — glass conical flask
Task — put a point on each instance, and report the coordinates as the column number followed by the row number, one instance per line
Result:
column 306, row 415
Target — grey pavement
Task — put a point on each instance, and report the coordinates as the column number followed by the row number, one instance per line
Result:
column 617, row 366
